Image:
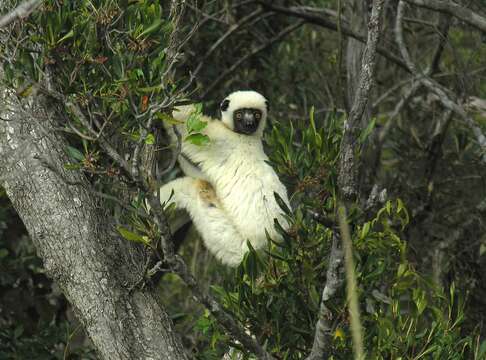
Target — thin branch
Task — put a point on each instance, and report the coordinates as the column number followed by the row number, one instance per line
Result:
column 252, row 18
column 226, row 320
column 348, row 170
column 443, row 27
column 334, row 280
column 449, row 7
column 313, row 18
column 255, row 51
column 20, row 12
column 443, row 94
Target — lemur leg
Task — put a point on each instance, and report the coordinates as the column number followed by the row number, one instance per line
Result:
column 200, row 201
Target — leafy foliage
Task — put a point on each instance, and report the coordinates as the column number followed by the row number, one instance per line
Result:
column 277, row 294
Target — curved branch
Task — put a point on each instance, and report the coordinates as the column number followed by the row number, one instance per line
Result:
column 449, row 7
column 252, row 53
column 21, row 11
column 313, row 18
column 443, row 95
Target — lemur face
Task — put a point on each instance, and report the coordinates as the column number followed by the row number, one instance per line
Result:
column 246, row 120
column 245, row 112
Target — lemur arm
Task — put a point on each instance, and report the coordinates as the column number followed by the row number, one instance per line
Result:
column 193, row 155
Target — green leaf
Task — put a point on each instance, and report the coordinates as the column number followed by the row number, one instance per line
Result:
column 482, row 350
column 150, row 139
column 152, row 28
column 167, row 118
column 131, row 236
column 194, row 123
column 74, row 153
column 282, row 203
column 3, row 253
column 365, row 230
column 198, row 139
column 367, row 131
column 69, row 35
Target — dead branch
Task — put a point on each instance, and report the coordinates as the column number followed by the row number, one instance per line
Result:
column 20, row 12
column 451, row 8
column 321, row 20
column 252, row 53
column 443, row 95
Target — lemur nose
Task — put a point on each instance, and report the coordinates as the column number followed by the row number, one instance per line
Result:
column 249, row 119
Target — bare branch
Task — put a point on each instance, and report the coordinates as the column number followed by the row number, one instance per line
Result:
column 251, row 19
column 443, row 95
column 255, row 51
column 449, row 7
column 20, row 12
column 313, row 18
column 226, row 320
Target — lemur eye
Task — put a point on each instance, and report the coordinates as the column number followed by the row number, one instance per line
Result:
column 257, row 114
column 238, row 115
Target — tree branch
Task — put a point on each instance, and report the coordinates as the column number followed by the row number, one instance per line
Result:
column 435, row 87
column 348, row 173
column 347, row 180
column 313, row 18
column 20, row 12
column 334, row 280
column 451, row 8
column 255, row 51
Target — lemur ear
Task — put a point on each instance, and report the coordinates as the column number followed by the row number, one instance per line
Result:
column 268, row 105
column 224, row 105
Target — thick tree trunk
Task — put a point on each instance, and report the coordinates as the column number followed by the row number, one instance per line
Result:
column 94, row 268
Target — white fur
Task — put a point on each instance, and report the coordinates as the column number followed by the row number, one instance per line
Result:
column 244, row 184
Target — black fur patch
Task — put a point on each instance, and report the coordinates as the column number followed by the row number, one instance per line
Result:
column 224, row 105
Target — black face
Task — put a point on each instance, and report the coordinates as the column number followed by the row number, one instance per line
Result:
column 246, row 120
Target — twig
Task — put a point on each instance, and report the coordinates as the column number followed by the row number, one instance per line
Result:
column 20, row 12
column 255, row 51
column 453, row 9
column 226, row 320
column 252, row 18
column 313, row 18
column 435, row 87
column 443, row 27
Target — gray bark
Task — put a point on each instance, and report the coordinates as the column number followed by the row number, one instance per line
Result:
column 73, row 236
column 357, row 13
